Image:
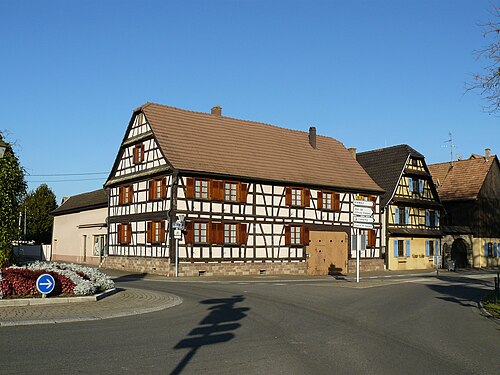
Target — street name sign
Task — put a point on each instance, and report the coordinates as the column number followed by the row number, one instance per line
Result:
column 45, row 283
column 362, row 225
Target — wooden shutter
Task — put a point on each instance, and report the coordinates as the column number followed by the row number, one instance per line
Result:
column 336, row 201
column 190, row 188
column 408, row 251
column 306, row 197
column 320, row 200
column 150, row 232
column 427, row 248
column 215, row 233
column 372, row 237
column 136, row 155
column 129, row 233
column 288, row 196
column 304, row 235
column 163, row 188
column 151, row 189
column 243, row 193
column 288, row 236
column 241, row 234
column 120, row 233
column 396, row 248
column 189, row 237
column 163, row 238
column 217, row 190
column 130, row 193
column 121, row 195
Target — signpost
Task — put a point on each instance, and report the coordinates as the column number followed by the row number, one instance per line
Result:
column 179, row 226
column 362, row 219
column 45, row 284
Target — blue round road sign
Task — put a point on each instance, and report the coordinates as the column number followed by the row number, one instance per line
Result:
column 45, row 283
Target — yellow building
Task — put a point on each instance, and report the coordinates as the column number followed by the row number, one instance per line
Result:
column 411, row 207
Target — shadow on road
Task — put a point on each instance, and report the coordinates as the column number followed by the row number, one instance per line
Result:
column 465, row 292
column 215, row 328
column 129, row 277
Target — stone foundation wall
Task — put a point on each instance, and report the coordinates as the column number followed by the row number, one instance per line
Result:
column 158, row 266
column 366, row 265
column 162, row 266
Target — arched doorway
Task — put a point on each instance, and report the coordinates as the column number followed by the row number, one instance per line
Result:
column 459, row 253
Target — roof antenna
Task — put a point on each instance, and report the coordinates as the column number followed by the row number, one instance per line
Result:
column 451, row 146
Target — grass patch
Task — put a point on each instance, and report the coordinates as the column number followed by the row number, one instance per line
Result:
column 490, row 305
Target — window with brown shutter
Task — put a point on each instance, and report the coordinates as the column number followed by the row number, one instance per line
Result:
column 202, row 188
column 328, row 200
column 372, row 238
column 126, row 194
column 336, row 201
column 156, row 232
column 296, row 235
column 157, row 189
column 124, row 234
column 138, row 154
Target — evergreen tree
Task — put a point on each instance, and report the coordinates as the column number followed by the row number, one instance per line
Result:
column 38, row 205
column 12, row 189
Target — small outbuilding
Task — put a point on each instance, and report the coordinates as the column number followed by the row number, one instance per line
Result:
column 80, row 228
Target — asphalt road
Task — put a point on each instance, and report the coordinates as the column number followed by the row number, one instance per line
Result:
column 426, row 326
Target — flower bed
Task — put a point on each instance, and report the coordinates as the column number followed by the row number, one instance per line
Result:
column 70, row 279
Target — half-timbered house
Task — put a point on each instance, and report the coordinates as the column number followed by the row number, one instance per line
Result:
column 411, row 206
column 256, row 198
column 470, row 191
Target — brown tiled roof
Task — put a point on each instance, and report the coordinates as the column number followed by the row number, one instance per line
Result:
column 463, row 179
column 386, row 165
column 206, row 143
column 82, row 202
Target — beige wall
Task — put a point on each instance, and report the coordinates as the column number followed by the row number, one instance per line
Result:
column 68, row 236
column 417, row 258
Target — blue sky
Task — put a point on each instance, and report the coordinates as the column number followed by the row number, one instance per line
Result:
column 368, row 73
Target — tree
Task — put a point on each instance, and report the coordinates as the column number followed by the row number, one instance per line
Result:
column 38, row 205
column 487, row 83
column 12, row 189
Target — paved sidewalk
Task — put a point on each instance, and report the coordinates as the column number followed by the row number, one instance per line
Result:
column 125, row 302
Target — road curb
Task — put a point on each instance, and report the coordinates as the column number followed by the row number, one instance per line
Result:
column 55, row 300
column 487, row 313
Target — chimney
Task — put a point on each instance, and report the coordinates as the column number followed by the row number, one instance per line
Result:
column 352, row 150
column 487, row 153
column 312, row 136
column 216, row 110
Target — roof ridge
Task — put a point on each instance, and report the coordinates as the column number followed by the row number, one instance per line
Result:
column 232, row 118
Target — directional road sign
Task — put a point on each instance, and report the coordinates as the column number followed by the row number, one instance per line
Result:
column 363, row 211
column 362, row 225
column 363, row 219
column 358, row 202
column 45, row 283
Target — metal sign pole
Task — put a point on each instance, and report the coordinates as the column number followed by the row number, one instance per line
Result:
column 176, row 257
column 358, row 240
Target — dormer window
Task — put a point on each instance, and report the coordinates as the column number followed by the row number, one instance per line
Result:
column 138, row 154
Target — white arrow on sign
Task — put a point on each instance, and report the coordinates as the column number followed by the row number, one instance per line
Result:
column 363, row 211
column 364, row 219
column 48, row 284
column 358, row 202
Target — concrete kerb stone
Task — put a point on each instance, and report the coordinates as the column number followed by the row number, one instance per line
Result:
column 486, row 313
column 55, row 300
column 126, row 302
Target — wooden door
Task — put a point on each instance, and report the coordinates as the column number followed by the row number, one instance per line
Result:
column 327, row 253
